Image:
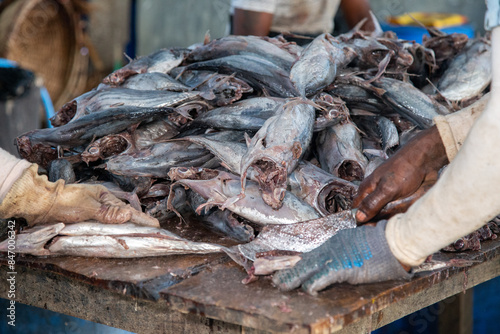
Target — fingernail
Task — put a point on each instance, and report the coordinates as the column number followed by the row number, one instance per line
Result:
column 360, row 216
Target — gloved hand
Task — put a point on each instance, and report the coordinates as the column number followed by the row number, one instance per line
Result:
column 39, row 201
column 416, row 164
column 357, row 255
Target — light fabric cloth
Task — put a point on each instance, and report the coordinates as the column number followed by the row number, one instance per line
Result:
column 311, row 17
column 466, row 195
column 454, row 128
column 492, row 17
column 12, row 168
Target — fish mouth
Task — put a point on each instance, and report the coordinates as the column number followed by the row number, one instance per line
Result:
column 65, row 114
column 335, row 197
column 272, row 181
column 350, row 170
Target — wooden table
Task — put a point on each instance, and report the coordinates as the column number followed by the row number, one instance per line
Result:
column 204, row 294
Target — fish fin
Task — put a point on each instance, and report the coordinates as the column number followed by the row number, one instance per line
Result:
column 206, row 40
column 382, row 66
column 247, row 139
column 378, row 31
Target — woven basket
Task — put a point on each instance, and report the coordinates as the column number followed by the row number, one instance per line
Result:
column 45, row 37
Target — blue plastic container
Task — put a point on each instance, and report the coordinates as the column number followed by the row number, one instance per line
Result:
column 416, row 34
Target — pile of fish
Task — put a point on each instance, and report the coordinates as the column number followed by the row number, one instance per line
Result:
column 262, row 140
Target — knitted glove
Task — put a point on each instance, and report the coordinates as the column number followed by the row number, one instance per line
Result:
column 357, row 255
column 39, row 201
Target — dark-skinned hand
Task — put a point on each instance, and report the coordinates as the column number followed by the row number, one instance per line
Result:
column 402, row 179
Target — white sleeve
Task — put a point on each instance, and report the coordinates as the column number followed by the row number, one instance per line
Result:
column 465, row 197
column 492, row 17
column 11, row 169
column 266, row 6
column 453, row 128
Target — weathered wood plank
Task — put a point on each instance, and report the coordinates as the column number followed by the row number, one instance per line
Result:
column 214, row 291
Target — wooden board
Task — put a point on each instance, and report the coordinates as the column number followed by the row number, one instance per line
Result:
column 209, row 287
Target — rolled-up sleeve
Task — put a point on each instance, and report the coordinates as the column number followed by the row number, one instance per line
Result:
column 11, row 169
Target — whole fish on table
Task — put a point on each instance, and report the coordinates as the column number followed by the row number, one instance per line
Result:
column 161, row 61
column 409, row 101
column 217, row 186
column 154, row 81
column 88, row 128
column 468, row 74
column 106, row 241
column 100, row 100
column 246, row 115
column 260, row 73
column 242, row 45
column 219, row 89
column 275, row 150
column 318, row 64
column 339, row 151
column 301, row 237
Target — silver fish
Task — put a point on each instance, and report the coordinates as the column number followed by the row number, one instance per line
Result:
column 217, row 187
column 154, row 81
column 339, row 151
column 318, row 65
column 323, row 191
column 121, row 97
column 160, row 61
column 468, row 74
column 300, row 237
column 409, row 101
column 275, row 150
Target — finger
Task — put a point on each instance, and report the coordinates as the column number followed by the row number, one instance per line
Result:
column 374, row 202
column 401, row 205
column 143, row 219
column 290, row 279
column 365, row 188
column 113, row 214
column 319, row 281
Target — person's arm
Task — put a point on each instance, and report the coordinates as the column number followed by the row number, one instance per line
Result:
column 246, row 22
column 416, row 164
column 356, row 10
column 464, row 198
column 253, row 17
column 25, row 194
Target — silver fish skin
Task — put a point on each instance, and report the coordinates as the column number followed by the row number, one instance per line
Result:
column 123, row 246
column 318, row 65
column 220, row 186
column 96, row 228
column 154, row 81
column 339, row 151
column 409, row 101
column 243, row 45
column 161, row 61
column 320, row 189
column 468, row 74
column 275, row 150
column 113, row 97
column 388, row 133
column 249, row 114
column 260, row 73
column 229, row 153
column 299, row 237
column 157, row 160
column 154, row 132
column 34, row 242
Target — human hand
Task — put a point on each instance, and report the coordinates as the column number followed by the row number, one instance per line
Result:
column 39, row 201
column 357, row 255
column 403, row 178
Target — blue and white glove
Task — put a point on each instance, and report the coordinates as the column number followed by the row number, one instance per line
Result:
column 357, row 255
